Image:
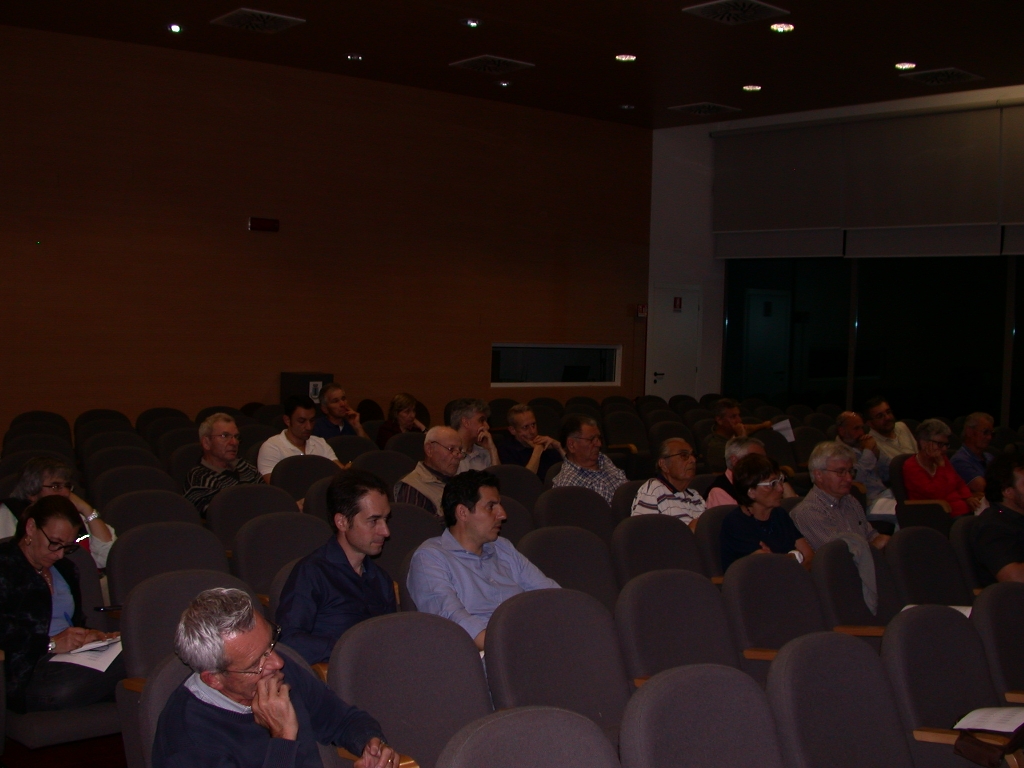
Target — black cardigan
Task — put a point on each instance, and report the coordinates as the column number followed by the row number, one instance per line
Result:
column 25, row 610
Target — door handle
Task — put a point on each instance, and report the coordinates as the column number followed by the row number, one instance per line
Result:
column 658, row 374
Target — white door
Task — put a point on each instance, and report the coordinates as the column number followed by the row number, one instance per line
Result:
column 766, row 342
column 673, row 340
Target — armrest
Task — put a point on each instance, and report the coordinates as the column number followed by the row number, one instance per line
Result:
column 321, row 670
column 861, row 487
column 941, row 502
column 638, row 681
column 949, row 736
column 404, row 761
column 134, row 683
column 2, row 657
column 978, row 591
column 717, row 579
column 265, row 599
column 227, row 553
column 859, row 630
column 760, row 654
column 398, row 595
column 622, row 447
column 1014, row 697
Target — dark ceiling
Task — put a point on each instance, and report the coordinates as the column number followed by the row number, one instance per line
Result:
column 840, row 53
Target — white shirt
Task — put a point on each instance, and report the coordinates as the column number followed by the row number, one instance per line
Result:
column 278, row 447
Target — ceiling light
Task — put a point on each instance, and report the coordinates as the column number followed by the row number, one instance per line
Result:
column 471, row 23
column 782, row 27
column 751, row 88
column 175, row 28
column 625, row 57
column 628, row 106
column 504, row 83
column 906, row 65
column 355, row 57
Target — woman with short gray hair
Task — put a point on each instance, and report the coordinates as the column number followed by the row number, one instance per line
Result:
column 929, row 475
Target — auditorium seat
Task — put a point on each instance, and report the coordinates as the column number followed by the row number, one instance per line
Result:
column 925, row 568
column 694, row 415
column 267, row 413
column 617, row 406
column 35, row 428
column 150, row 415
column 182, row 460
column 43, row 416
column 420, row 675
column 777, row 447
column 158, row 428
column 709, row 537
column 172, row 440
column 347, row 447
column 130, row 510
column 622, row 429
column 264, row 544
column 39, row 442
column 236, row 505
column 998, row 617
column 960, row 538
column 253, row 434
column 549, row 420
column 806, row 440
column 112, row 483
column 99, row 414
column 575, row 558
column 682, row 403
column 410, row 526
column 119, row 456
column 622, row 500
column 653, row 542
column 557, row 647
column 295, row 474
column 315, row 502
column 408, row 443
column 841, row 593
column 671, row 618
column 207, row 412
column 702, row 483
column 91, row 428
column 820, row 422
column 103, row 440
column 519, row 483
column 663, row 430
column 518, row 520
column 389, row 466
column 277, row 586
column 499, row 412
column 572, row 505
column 593, row 411
column 369, row 410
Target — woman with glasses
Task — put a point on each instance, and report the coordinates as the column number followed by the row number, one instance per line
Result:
column 759, row 525
column 48, row 476
column 929, row 475
column 41, row 614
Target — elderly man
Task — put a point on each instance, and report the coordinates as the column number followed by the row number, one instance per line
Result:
column 972, row 460
column 442, row 452
column 829, row 511
column 892, row 437
column 722, row 491
column 728, row 424
column 468, row 571
column 538, row 453
column 220, row 466
column 297, row 438
column 245, row 706
column 469, row 419
column 997, row 538
column 669, row 493
column 337, row 418
column 585, row 466
column 338, row 585
column 871, row 464
column 48, row 476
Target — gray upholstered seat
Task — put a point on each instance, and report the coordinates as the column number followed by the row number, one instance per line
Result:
column 347, row 447
column 140, row 507
column 622, row 500
column 709, row 537
column 267, row 542
column 572, row 505
column 925, row 568
column 575, row 558
column 236, row 505
column 998, row 616
column 653, row 542
column 119, row 480
column 315, row 503
column 518, row 520
column 518, row 482
column 296, row 473
column 119, row 456
column 410, row 526
column 960, row 538
column 114, row 440
column 408, row 443
column 389, row 466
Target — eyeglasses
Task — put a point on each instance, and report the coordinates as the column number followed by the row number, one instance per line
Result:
column 58, row 487
column 263, row 659
column 454, row 450
column 851, row 473
column 778, row 482
column 587, row 439
column 56, row 546
column 684, row 454
column 227, row 436
column 941, row 443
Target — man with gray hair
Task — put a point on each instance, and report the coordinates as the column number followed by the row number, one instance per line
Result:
column 722, row 492
column 244, row 705
column 669, row 493
column 872, row 465
column 442, row 452
column 829, row 511
column 219, row 467
column 972, row 460
column 585, row 466
column 469, row 419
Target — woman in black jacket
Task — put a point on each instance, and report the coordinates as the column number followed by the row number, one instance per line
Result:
column 41, row 614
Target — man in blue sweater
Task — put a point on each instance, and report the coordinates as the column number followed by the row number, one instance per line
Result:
column 245, row 706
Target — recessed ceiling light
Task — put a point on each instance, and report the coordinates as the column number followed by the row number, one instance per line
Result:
column 627, row 106
column 751, row 88
column 504, row 83
column 782, row 27
column 906, row 65
column 471, row 23
column 625, row 57
column 175, row 28
column 355, row 57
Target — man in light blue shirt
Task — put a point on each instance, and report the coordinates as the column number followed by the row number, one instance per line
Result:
column 468, row 571
column 972, row 460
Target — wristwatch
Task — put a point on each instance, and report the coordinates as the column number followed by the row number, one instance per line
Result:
column 94, row 516
column 52, row 647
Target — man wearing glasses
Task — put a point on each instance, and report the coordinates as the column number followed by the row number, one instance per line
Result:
column 892, row 437
column 669, row 493
column 220, row 466
column 829, row 511
column 585, row 466
column 442, row 452
column 245, row 705
column 972, row 460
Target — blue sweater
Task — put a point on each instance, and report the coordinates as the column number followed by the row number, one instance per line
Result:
column 193, row 733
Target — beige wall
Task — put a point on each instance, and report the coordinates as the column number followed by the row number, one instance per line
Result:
column 416, row 229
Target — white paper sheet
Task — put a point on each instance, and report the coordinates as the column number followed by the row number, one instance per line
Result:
column 999, row 719
column 96, row 644
column 964, row 609
column 785, row 428
column 98, row 658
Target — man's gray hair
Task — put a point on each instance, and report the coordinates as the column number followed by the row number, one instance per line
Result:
column 517, row 410
column 666, row 446
column 976, row 419
column 435, row 432
column 466, row 408
column 830, row 449
column 842, row 417
column 206, row 428
column 214, row 615
column 929, row 429
column 35, row 472
column 737, row 448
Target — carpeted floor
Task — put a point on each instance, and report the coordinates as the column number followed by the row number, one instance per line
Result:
column 104, row 752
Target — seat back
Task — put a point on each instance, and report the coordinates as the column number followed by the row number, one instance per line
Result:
column 43, row 416
column 702, row 483
column 840, row 590
column 277, row 587
column 833, row 705
column 410, row 526
column 709, row 537
column 726, row 715
column 315, row 503
column 557, row 647
column 549, row 419
column 529, row 736
column 295, row 474
column 960, row 538
column 148, row 416
column 22, row 428
column 85, row 431
column 998, row 617
column 518, row 482
column 164, row 679
column 670, row 619
column 90, row 589
column 41, row 442
column 693, row 415
column 518, row 520
column 925, row 568
column 389, row 466
column 182, row 460
column 253, row 434
column 173, row 439
column 777, row 447
column 899, row 490
column 807, row 438
column 645, row 543
column 266, row 543
column 435, row 679
column 160, row 427
column 654, row 416
column 663, row 430
column 624, row 427
column 119, row 456
column 236, row 505
column 114, row 482
column 574, row 557
column 347, row 447
column 408, row 443
column 800, row 411
column 153, row 608
column 114, row 440
column 207, row 412
column 622, row 500
column 136, row 508
column 12, row 463
column 155, row 548
column 369, row 410
column 572, row 505
column 820, row 421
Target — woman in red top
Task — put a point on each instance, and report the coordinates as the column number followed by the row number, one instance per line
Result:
column 929, row 475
